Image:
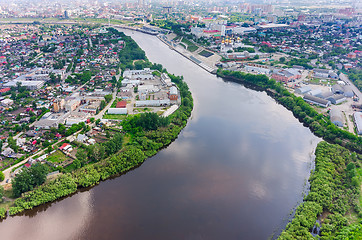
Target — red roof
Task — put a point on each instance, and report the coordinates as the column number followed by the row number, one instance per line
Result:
column 63, row 146
column 5, row 90
column 211, row 31
column 27, row 165
column 121, row 104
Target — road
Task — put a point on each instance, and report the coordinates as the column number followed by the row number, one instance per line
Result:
column 7, row 172
column 114, row 95
column 354, row 88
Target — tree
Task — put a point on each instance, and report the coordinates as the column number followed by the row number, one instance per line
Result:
column 282, row 59
column 102, row 105
column 2, row 176
column 1, row 193
column 81, row 156
column 29, row 178
column 108, row 98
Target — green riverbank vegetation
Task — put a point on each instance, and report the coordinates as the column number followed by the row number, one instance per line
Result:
column 142, row 136
column 335, row 184
column 317, row 123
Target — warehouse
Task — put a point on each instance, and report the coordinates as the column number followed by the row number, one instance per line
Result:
column 153, row 103
column 316, row 100
column 336, row 98
column 30, row 85
column 358, row 122
column 348, row 92
column 303, row 90
column 336, row 117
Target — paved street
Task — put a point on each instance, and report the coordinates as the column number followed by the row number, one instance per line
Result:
column 354, row 88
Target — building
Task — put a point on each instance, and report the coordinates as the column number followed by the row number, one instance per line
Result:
column 173, row 95
column 321, row 73
column 121, row 104
column 145, row 89
column 50, row 120
column 303, row 90
column 337, row 89
column 252, row 67
column 90, row 107
column 316, row 92
column 117, row 111
column 358, row 122
column 7, row 102
column 336, row 98
column 286, row 75
column 145, row 74
column 166, row 80
column 153, row 103
column 30, row 85
column 336, row 117
column 4, row 90
column 72, row 104
column 348, row 92
column 316, row 100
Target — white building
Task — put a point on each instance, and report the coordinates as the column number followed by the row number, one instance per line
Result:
column 153, row 103
column 117, row 111
column 7, row 102
column 31, row 85
column 358, row 121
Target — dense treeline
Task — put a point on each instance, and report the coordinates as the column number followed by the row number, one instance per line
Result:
column 319, row 124
column 334, row 190
column 355, row 75
column 144, row 122
column 29, row 178
column 130, row 52
column 142, row 144
column 60, row 187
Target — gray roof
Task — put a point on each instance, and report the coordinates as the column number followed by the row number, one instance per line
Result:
column 337, row 88
column 358, row 121
column 336, row 116
column 317, row 100
column 303, row 90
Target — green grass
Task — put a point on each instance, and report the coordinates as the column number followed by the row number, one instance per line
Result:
column 205, row 53
column 192, row 48
column 57, row 157
column 146, row 109
column 115, row 116
column 177, row 38
column 359, row 174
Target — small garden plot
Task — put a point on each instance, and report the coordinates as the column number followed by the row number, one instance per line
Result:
column 57, row 157
column 115, row 116
column 205, row 53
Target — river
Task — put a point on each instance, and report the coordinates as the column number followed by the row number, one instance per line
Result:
column 235, row 172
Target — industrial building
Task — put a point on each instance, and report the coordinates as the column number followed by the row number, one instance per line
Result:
column 316, row 100
column 358, row 122
column 30, row 85
column 303, row 90
column 336, row 98
column 153, row 103
column 336, row 117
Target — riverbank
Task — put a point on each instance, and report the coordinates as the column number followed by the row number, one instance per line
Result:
column 319, row 124
column 142, row 145
column 188, row 55
column 335, row 185
column 333, row 199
